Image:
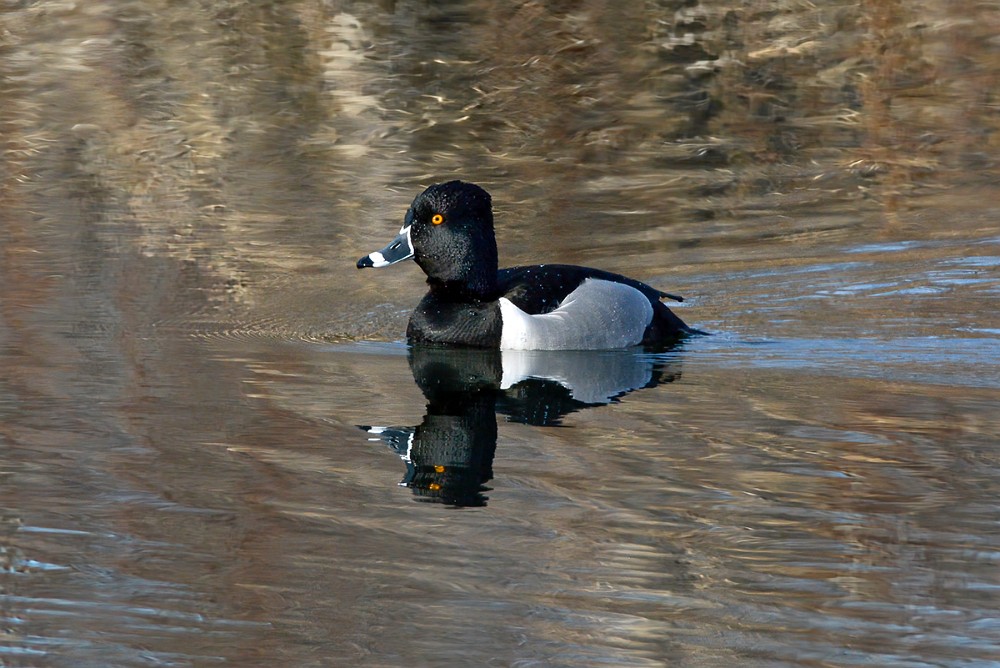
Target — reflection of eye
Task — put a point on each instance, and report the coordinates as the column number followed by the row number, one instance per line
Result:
column 437, row 219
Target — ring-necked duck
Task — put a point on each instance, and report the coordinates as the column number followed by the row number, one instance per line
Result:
column 448, row 230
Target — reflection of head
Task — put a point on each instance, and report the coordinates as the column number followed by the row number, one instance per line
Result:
column 450, row 457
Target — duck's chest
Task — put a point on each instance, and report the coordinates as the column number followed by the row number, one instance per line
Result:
column 440, row 320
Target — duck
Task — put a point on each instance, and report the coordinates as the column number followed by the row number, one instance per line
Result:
column 471, row 302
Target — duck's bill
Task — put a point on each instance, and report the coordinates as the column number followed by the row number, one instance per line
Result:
column 399, row 249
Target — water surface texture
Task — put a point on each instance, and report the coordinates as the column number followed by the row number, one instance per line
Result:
column 217, row 450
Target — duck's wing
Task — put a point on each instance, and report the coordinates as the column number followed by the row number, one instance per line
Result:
column 541, row 288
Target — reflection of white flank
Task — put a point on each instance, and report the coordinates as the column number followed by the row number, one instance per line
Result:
column 409, row 448
column 598, row 315
column 591, row 377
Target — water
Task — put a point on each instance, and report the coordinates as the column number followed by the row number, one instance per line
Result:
column 215, row 448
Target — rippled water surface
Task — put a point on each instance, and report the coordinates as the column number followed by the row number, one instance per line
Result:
column 216, row 448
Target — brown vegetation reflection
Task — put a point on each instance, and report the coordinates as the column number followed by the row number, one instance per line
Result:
column 194, row 131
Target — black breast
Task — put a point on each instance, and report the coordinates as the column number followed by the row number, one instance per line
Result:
column 438, row 319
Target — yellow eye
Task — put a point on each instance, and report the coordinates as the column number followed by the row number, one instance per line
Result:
column 437, row 219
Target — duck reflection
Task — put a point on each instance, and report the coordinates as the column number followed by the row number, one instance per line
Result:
column 449, row 456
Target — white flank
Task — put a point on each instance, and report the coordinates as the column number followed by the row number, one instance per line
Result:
column 591, row 377
column 598, row 315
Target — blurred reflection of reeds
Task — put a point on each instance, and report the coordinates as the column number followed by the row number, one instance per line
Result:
column 230, row 134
